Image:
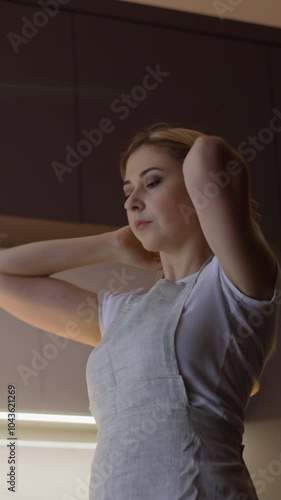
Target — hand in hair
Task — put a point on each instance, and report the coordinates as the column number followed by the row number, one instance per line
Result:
column 131, row 251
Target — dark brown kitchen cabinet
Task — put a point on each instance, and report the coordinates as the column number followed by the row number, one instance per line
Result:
column 219, row 86
column 97, row 72
column 37, row 96
column 275, row 75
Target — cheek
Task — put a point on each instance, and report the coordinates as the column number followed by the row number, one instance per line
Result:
column 173, row 204
column 183, row 202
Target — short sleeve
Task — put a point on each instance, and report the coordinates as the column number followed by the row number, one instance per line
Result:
column 256, row 321
column 243, row 299
column 110, row 304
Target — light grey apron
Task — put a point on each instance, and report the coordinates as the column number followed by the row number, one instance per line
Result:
column 152, row 445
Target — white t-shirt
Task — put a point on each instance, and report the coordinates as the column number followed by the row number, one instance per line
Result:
column 223, row 340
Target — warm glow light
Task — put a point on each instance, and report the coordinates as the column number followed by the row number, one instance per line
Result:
column 52, row 444
column 48, row 417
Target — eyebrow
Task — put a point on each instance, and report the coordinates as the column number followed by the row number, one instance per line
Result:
column 143, row 173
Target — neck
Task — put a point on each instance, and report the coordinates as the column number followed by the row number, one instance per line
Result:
column 186, row 260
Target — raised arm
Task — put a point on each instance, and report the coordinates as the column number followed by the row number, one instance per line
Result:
column 52, row 305
column 218, row 181
column 30, row 293
column 44, row 258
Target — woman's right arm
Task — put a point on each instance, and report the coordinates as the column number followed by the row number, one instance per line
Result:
column 53, row 305
column 29, row 293
column 44, row 258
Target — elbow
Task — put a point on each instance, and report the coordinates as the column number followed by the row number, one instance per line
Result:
column 212, row 160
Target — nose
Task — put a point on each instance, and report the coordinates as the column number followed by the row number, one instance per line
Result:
column 134, row 201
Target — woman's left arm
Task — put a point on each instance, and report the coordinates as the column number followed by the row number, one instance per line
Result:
column 217, row 179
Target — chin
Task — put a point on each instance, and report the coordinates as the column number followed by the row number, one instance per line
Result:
column 150, row 247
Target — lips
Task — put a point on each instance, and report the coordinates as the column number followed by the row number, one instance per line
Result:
column 141, row 224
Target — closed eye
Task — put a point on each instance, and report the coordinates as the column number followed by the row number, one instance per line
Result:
column 148, row 185
column 152, row 183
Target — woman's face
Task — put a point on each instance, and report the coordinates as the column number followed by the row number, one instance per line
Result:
column 159, row 196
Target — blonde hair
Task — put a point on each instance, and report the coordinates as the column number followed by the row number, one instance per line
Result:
column 177, row 141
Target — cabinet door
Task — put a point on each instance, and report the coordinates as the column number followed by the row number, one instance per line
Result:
column 216, row 85
column 37, row 113
column 274, row 61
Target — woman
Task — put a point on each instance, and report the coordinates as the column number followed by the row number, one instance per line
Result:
column 171, row 376
column 171, row 379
